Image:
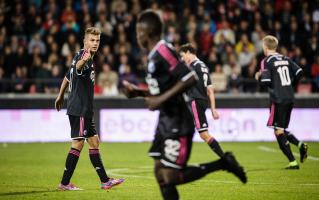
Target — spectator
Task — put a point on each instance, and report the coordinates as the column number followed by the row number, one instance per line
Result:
column 219, row 79
column 36, row 42
column 108, row 81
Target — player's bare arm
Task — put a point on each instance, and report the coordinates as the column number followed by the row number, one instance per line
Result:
column 59, row 100
column 130, row 90
column 154, row 102
column 257, row 75
column 211, row 96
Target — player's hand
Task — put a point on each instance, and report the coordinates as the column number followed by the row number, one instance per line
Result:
column 128, row 89
column 257, row 75
column 215, row 114
column 59, row 102
column 86, row 55
column 153, row 102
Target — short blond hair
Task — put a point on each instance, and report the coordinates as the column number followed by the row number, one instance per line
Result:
column 93, row 31
column 271, row 42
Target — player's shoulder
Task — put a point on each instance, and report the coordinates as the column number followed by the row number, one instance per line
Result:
column 276, row 57
column 197, row 63
column 163, row 51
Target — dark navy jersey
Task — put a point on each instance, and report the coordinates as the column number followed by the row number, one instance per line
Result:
column 81, row 88
column 199, row 91
column 164, row 70
column 279, row 73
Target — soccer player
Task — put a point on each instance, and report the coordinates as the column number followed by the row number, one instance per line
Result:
column 80, row 80
column 167, row 78
column 280, row 73
column 200, row 95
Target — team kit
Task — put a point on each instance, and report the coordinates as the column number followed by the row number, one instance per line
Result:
column 180, row 88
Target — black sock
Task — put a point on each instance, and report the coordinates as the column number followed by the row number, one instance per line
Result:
column 285, row 147
column 98, row 165
column 192, row 173
column 169, row 192
column 70, row 164
column 214, row 145
column 291, row 138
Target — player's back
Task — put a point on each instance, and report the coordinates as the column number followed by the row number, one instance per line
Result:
column 281, row 71
column 199, row 91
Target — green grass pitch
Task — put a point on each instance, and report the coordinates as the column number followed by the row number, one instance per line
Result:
column 33, row 170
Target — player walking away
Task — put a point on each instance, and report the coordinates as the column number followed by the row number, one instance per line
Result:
column 200, row 95
column 167, row 77
column 280, row 73
column 80, row 80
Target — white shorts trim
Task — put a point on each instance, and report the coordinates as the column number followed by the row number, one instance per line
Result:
column 168, row 164
column 78, row 138
column 276, row 127
column 154, row 154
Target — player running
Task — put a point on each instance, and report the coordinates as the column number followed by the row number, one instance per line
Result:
column 279, row 73
column 167, row 78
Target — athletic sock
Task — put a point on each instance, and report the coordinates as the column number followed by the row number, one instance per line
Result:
column 98, row 165
column 214, row 145
column 285, row 147
column 192, row 173
column 70, row 164
column 292, row 139
column 169, row 192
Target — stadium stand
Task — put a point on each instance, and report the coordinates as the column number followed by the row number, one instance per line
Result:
column 38, row 39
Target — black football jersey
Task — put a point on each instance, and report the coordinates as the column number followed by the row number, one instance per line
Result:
column 199, row 91
column 164, row 70
column 81, row 88
column 279, row 73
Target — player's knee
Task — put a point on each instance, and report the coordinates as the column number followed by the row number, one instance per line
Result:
column 205, row 136
column 94, row 142
column 78, row 144
column 279, row 131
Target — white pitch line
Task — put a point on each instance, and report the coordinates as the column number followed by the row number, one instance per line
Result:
column 267, row 149
column 117, row 172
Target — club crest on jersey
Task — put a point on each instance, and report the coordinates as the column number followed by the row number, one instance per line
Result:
column 151, row 67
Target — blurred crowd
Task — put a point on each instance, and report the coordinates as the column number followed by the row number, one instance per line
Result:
column 38, row 39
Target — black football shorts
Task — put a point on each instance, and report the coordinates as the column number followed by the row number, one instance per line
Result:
column 279, row 115
column 198, row 109
column 173, row 139
column 82, row 127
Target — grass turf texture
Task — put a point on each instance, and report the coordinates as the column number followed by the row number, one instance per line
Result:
column 32, row 171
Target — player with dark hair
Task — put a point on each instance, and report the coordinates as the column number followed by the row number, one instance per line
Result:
column 80, row 80
column 280, row 73
column 167, row 78
column 200, row 96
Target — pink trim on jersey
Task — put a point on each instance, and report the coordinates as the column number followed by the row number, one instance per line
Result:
column 195, row 113
column 84, row 51
column 168, row 56
column 81, row 126
column 262, row 64
column 272, row 114
column 182, row 151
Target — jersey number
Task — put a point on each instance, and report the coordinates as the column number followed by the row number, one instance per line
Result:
column 284, row 75
column 152, row 85
column 205, row 75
